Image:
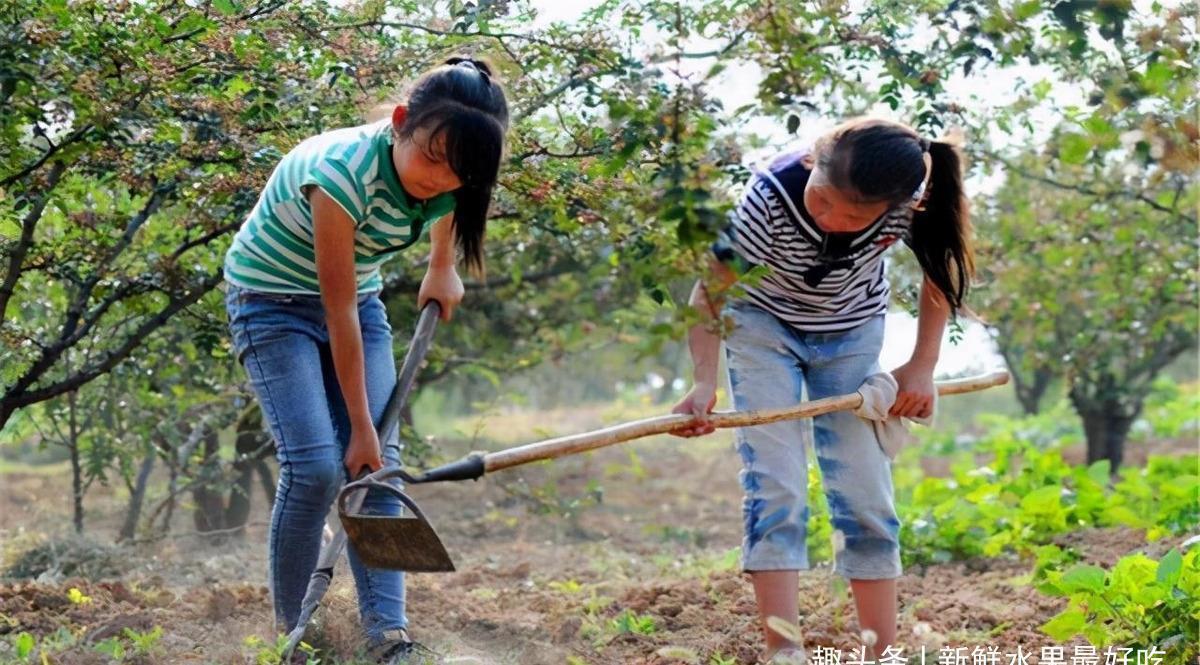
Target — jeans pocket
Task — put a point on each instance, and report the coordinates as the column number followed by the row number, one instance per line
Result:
column 239, row 337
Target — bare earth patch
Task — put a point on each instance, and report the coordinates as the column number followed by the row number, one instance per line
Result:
column 647, row 575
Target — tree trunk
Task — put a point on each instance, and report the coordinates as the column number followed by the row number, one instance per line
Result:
column 209, row 513
column 77, row 489
column 252, row 446
column 1030, row 393
column 170, row 511
column 1106, row 425
column 267, row 482
column 76, row 467
column 238, row 510
column 1106, row 437
column 1029, row 387
column 213, row 511
column 137, row 498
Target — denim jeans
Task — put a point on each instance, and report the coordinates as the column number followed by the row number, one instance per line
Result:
column 772, row 365
column 283, row 343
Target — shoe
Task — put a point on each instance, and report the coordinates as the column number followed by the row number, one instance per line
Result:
column 396, row 648
column 789, row 656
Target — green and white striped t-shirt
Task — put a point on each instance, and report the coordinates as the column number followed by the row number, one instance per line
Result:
column 273, row 250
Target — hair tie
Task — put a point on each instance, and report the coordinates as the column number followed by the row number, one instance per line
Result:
column 919, row 193
column 472, row 64
column 918, row 196
column 924, row 144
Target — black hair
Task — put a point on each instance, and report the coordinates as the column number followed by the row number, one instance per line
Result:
column 877, row 160
column 461, row 102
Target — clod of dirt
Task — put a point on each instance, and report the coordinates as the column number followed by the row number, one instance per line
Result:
column 136, row 621
column 567, row 630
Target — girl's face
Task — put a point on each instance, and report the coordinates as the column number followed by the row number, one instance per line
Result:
column 835, row 210
column 422, row 166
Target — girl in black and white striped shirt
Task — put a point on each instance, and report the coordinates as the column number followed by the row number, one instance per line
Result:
column 819, row 222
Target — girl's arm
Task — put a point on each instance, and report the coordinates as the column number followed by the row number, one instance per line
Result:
column 442, row 282
column 333, row 240
column 705, row 347
column 915, row 397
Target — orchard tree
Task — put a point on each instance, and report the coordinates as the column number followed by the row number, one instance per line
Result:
column 1102, row 291
column 137, row 136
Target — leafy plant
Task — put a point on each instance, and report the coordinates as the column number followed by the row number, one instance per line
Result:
column 1139, row 603
column 266, row 653
column 628, row 621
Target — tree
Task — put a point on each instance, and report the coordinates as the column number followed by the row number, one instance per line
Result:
column 1102, row 290
column 137, row 136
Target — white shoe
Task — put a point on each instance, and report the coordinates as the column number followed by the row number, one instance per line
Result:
column 789, row 656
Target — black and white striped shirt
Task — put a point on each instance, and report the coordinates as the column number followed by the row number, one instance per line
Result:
column 816, row 281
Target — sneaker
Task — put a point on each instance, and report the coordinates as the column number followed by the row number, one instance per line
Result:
column 789, row 656
column 397, row 649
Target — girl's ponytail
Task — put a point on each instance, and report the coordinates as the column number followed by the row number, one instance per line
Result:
column 941, row 231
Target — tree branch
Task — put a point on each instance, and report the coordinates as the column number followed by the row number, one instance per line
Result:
column 75, row 311
column 449, row 33
column 28, row 224
column 205, row 239
column 1136, row 196
column 402, row 285
column 265, row 8
column 54, row 148
column 19, row 398
column 573, row 81
column 578, row 153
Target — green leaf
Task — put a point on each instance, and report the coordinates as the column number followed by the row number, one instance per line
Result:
column 1170, row 567
column 1043, row 500
column 1100, row 471
column 1065, row 624
column 1042, row 89
column 1157, row 76
column 226, row 7
column 1123, row 515
column 1024, row 10
column 1074, row 148
column 1098, row 634
column 1084, row 578
column 1097, row 126
column 236, row 87
column 1132, row 574
column 24, row 645
column 111, row 647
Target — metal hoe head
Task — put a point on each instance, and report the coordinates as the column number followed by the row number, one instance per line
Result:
column 402, row 542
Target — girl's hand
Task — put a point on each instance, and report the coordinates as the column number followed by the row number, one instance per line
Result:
column 699, row 402
column 363, row 451
column 914, row 399
column 442, row 284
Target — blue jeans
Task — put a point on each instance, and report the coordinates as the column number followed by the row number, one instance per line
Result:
column 283, row 343
column 770, row 365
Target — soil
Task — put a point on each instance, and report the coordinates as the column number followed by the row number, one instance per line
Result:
column 547, row 567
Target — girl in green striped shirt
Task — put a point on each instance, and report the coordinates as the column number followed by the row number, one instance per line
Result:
column 307, row 321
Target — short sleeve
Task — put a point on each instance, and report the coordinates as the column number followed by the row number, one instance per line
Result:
column 333, row 176
column 745, row 240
